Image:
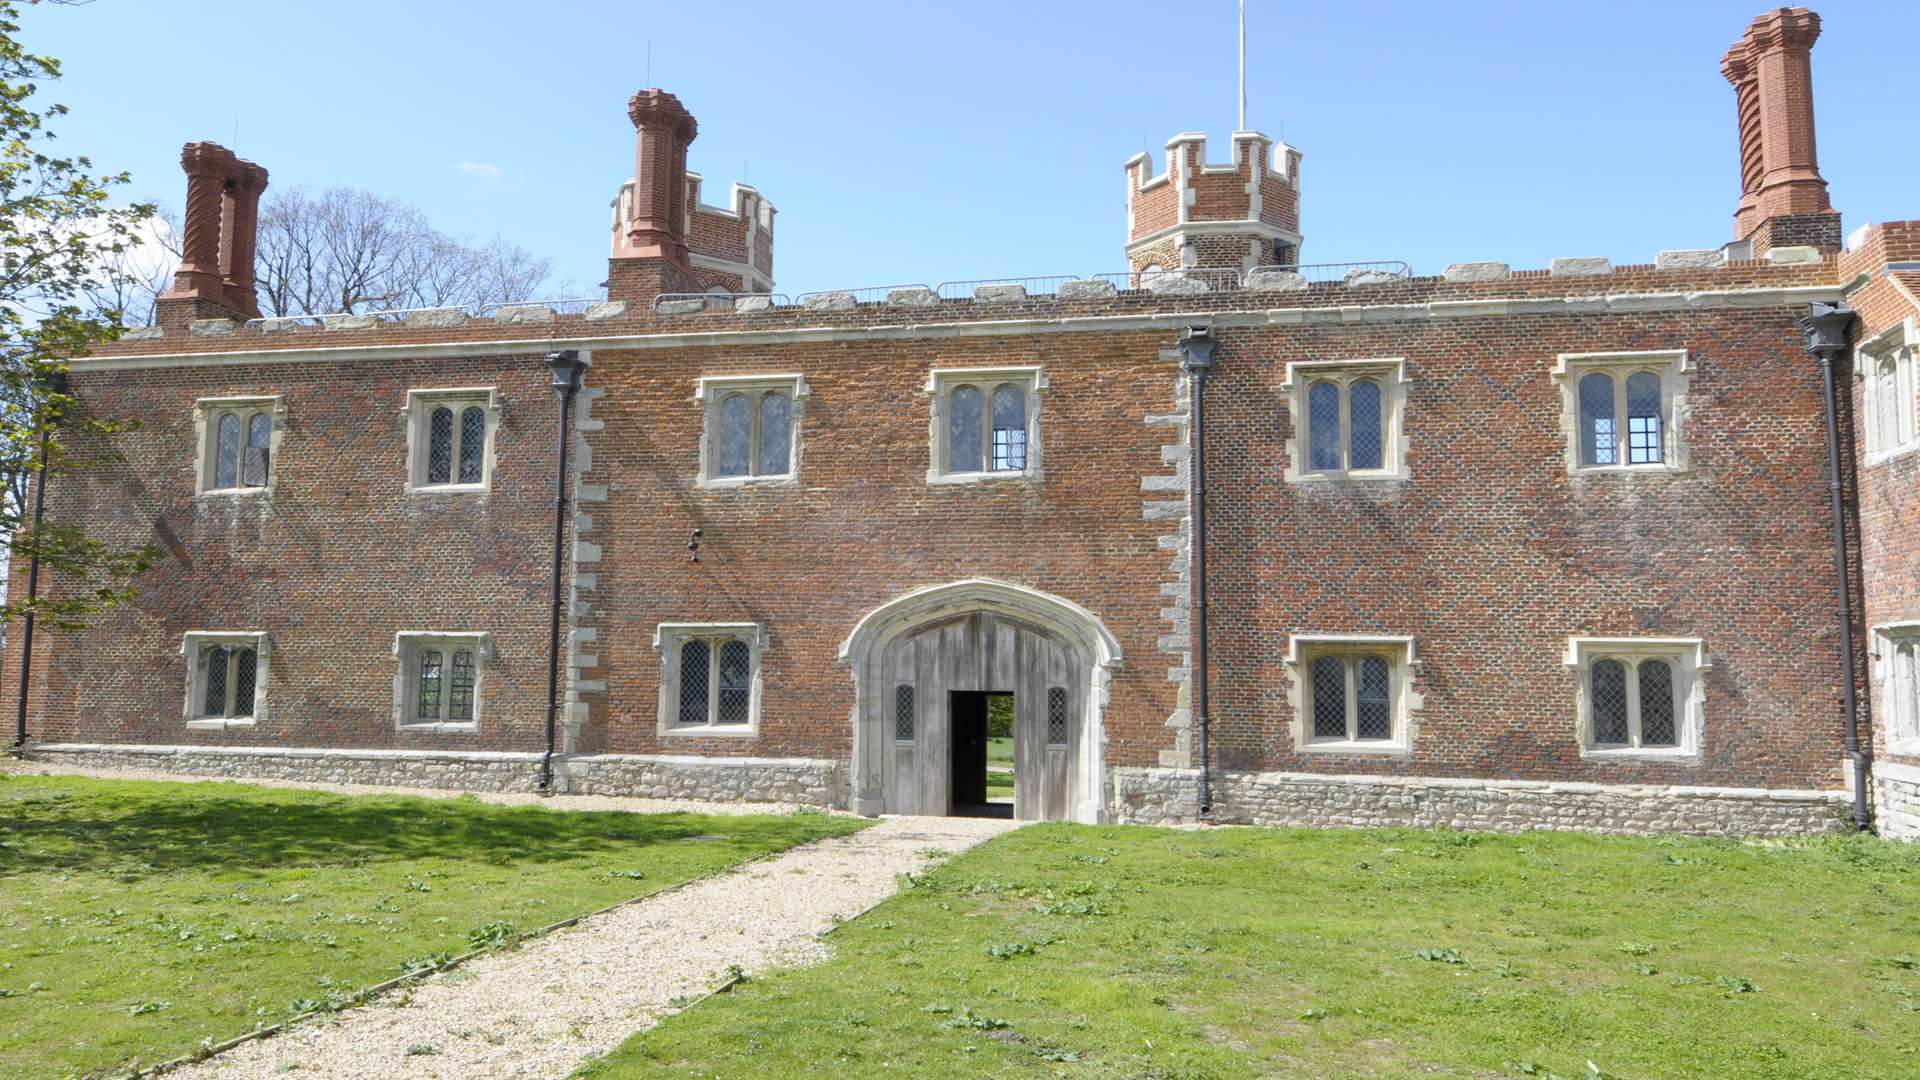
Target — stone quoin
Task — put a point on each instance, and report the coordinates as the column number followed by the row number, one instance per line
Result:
column 1495, row 548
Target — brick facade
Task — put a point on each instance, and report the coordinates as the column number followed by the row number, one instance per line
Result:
column 1486, row 550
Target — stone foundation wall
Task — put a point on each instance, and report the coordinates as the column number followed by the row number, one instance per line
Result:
column 1162, row 796
column 795, row 780
column 1896, row 800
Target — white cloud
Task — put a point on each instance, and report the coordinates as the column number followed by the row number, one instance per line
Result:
column 492, row 174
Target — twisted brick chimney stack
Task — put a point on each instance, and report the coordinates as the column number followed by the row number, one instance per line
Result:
column 215, row 278
column 650, row 242
column 1783, row 200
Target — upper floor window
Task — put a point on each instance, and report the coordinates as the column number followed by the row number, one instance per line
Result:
column 1896, row 656
column 1352, row 693
column 985, row 423
column 752, row 430
column 226, row 678
column 439, row 682
column 710, row 677
column 1348, row 418
column 239, row 438
column 1639, row 697
column 1885, row 368
column 1623, row 409
column 450, row 438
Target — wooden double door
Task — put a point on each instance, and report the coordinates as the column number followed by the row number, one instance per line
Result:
column 939, row 679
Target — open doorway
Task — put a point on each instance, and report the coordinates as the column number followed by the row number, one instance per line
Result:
column 982, row 754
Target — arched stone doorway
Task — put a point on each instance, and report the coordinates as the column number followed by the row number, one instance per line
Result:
column 917, row 661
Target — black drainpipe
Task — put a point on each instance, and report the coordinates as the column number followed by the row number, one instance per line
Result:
column 1197, row 347
column 55, row 383
column 567, row 370
column 1825, row 328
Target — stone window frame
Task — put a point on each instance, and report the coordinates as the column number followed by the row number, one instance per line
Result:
column 1404, row 701
column 710, row 390
column 206, row 414
column 1899, row 705
column 418, row 415
column 1675, row 367
column 939, row 388
column 1391, row 373
column 1899, row 346
column 407, row 645
column 1689, row 660
column 193, row 644
column 668, row 637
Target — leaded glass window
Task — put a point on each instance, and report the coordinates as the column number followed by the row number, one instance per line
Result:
column 903, row 715
column 1009, row 429
column 965, row 417
column 1635, row 701
column 1057, row 717
column 1596, row 420
column 228, row 679
column 1323, row 426
column 1888, row 371
column 451, row 439
column 736, row 667
column 736, row 435
column 242, row 443
column 427, row 690
column 473, row 444
column 1644, row 445
column 1364, row 445
column 1901, row 695
column 715, row 680
column 460, row 700
column 750, row 433
column 776, row 435
column 1346, row 423
column 1351, row 697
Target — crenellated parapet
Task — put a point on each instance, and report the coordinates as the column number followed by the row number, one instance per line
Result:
column 1243, row 214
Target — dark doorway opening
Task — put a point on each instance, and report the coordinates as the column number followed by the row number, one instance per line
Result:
column 968, row 713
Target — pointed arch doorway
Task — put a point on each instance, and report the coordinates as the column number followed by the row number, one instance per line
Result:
column 924, row 663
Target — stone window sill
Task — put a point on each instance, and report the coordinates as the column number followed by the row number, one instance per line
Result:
column 1335, row 476
column 1678, row 755
column 982, row 477
column 216, row 723
column 1371, row 747
column 736, row 731
column 237, row 492
column 447, row 489
column 1886, row 457
column 1652, row 467
column 450, row 726
column 725, row 482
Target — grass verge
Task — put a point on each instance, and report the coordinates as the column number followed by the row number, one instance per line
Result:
column 142, row 920
column 1099, row 952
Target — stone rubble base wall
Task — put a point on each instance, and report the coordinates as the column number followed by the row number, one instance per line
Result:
column 792, row 780
column 1165, row 796
column 1896, row 796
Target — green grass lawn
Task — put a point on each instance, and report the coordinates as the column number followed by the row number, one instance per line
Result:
column 1101, row 952
column 1000, row 750
column 139, row 919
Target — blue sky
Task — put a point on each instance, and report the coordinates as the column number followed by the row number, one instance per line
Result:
column 927, row 142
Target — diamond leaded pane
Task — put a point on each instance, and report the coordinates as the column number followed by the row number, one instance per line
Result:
column 226, row 455
column 246, row 665
column 694, row 657
column 473, row 443
column 903, row 713
column 1596, row 420
column 1009, row 429
column 440, row 446
column 1330, row 698
column 736, row 671
column 1057, row 716
column 1609, row 703
column 1323, row 427
column 216, row 698
column 736, row 434
column 253, row 472
column 428, row 698
column 1656, row 704
column 1643, row 419
column 1363, row 417
column 1370, row 698
column 460, row 693
column 776, row 435
column 965, row 417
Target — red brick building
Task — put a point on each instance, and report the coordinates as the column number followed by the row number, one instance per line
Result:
column 1489, row 548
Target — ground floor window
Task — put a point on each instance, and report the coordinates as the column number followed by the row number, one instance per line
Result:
column 710, row 677
column 1352, row 693
column 1639, row 697
column 438, row 686
column 226, row 678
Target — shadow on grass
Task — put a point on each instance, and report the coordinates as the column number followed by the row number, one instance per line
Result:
column 135, row 829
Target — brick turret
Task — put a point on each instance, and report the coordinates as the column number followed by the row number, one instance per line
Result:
column 1243, row 214
column 664, row 238
column 216, row 275
column 1783, row 199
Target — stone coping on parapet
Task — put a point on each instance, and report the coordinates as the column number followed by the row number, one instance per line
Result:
column 1468, row 289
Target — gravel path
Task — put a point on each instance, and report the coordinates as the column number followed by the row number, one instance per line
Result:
column 564, row 802
column 542, row 1009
